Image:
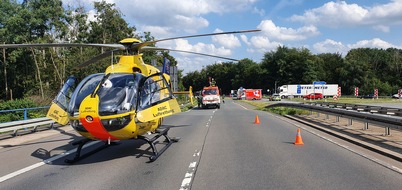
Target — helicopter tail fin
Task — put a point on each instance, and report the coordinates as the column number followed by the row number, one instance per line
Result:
column 166, row 66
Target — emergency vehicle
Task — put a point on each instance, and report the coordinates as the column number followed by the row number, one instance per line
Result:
column 253, row 94
column 210, row 95
column 249, row 94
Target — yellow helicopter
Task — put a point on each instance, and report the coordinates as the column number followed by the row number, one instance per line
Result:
column 127, row 101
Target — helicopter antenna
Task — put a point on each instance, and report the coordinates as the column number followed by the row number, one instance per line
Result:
column 111, row 61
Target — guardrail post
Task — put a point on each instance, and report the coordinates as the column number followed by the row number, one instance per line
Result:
column 318, row 114
column 387, row 131
column 25, row 114
column 326, row 116
column 350, row 121
column 337, row 118
column 365, row 125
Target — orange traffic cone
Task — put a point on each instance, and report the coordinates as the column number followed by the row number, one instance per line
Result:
column 299, row 140
column 257, row 121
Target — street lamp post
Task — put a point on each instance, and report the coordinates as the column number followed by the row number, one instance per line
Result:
column 275, row 86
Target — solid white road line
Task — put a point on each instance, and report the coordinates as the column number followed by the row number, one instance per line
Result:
column 37, row 165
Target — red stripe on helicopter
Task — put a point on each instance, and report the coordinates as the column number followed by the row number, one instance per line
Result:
column 95, row 127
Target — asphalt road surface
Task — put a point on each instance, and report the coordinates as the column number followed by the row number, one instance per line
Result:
column 218, row 149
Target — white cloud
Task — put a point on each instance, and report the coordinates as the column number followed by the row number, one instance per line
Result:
column 340, row 13
column 286, row 34
column 244, row 38
column 263, row 44
column 181, row 44
column 373, row 43
column 226, row 40
column 176, row 17
column 382, row 28
column 258, row 11
column 194, row 63
column 330, row 46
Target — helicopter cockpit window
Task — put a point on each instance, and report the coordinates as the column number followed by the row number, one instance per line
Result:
column 118, row 93
column 85, row 88
column 149, row 93
column 154, row 89
column 64, row 96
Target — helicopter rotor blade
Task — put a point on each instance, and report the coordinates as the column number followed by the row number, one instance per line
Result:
column 210, row 34
column 183, row 51
column 135, row 47
column 118, row 46
column 143, row 44
column 97, row 58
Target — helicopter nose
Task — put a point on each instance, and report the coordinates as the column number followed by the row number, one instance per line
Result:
column 94, row 126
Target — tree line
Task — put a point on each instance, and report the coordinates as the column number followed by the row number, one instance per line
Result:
column 365, row 68
column 40, row 72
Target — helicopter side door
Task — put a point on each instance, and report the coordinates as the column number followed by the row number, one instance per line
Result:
column 155, row 99
column 58, row 110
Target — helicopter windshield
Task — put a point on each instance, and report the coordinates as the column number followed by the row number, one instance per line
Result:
column 118, row 93
column 85, row 88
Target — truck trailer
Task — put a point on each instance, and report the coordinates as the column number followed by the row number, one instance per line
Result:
column 298, row 90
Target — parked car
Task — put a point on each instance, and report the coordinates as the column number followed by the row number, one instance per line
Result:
column 314, row 96
column 275, row 97
column 367, row 96
column 396, row 96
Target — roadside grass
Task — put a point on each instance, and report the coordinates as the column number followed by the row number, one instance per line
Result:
column 276, row 110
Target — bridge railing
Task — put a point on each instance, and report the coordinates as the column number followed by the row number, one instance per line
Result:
column 27, row 125
column 25, row 110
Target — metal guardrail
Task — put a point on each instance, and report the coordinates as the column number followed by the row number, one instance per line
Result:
column 360, row 108
column 25, row 126
column 382, row 116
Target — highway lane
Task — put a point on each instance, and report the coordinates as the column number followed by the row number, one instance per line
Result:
column 263, row 157
column 218, row 149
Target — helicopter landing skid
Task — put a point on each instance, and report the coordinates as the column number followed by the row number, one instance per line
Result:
column 81, row 144
column 151, row 142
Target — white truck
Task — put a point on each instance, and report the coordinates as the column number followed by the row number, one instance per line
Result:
column 299, row 90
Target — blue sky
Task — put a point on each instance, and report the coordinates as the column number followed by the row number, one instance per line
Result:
column 320, row 26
